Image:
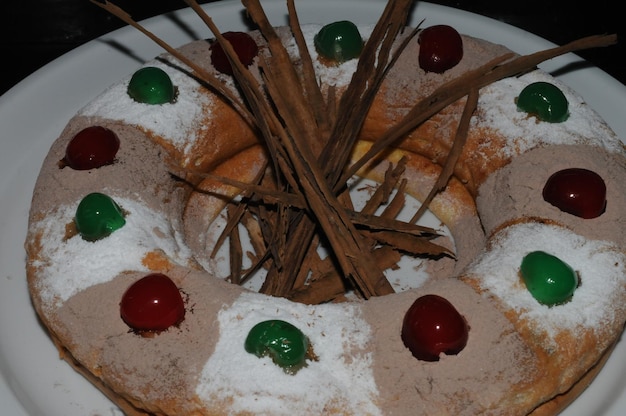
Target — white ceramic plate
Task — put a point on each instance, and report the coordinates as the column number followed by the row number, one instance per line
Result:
column 34, row 381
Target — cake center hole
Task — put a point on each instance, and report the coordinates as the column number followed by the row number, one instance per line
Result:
column 411, row 271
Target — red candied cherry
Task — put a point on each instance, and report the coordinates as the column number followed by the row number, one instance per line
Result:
column 441, row 48
column 152, row 304
column 577, row 191
column 245, row 48
column 432, row 326
column 339, row 41
column 549, row 280
column 545, row 101
column 151, row 85
column 91, row 148
column 286, row 345
column 97, row 216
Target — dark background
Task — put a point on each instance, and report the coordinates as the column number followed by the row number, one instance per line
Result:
column 34, row 32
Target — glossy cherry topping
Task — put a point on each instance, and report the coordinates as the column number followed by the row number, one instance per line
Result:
column 286, row 345
column 577, row 191
column 91, row 148
column 550, row 280
column 545, row 101
column 97, row 216
column 441, row 48
column 151, row 85
column 432, row 326
column 153, row 303
column 245, row 48
column 339, row 41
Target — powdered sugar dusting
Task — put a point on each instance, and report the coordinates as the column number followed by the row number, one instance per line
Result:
column 176, row 122
column 601, row 267
column 338, row 75
column 497, row 111
column 342, row 377
column 75, row 264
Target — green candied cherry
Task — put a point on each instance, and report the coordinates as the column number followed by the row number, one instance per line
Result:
column 549, row 280
column 339, row 41
column 545, row 101
column 97, row 216
column 151, row 85
column 283, row 342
